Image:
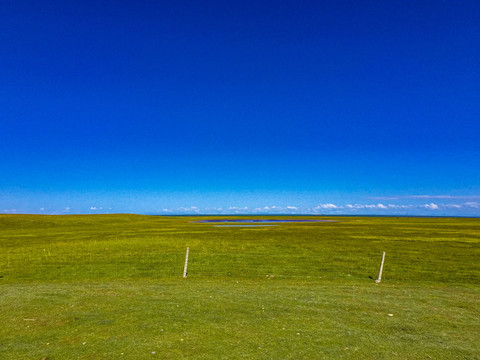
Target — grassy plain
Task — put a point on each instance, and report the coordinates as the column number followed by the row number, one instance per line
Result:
column 111, row 287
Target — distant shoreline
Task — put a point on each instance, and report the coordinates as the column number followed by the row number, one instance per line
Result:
column 257, row 215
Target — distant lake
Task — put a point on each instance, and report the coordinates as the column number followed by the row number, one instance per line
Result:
column 251, row 225
column 260, row 221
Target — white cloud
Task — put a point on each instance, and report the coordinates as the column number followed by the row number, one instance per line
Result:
column 9, row 211
column 454, row 206
column 450, row 197
column 413, row 208
column 372, row 206
column 326, row 206
column 431, row 206
column 394, row 206
column 432, row 197
column 360, row 206
column 42, row 209
column 381, row 208
column 189, row 209
column 236, row 208
column 473, row 204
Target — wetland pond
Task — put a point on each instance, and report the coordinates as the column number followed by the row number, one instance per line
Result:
column 255, row 222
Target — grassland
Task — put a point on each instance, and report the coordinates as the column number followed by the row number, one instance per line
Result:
column 111, row 287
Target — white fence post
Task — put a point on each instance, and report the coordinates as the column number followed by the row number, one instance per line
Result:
column 186, row 264
column 381, row 270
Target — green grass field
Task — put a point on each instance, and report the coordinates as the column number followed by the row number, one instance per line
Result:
column 111, row 287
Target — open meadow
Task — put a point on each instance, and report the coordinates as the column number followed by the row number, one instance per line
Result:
column 111, row 287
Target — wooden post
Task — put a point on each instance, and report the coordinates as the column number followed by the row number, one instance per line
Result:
column 381, row 270
column 186, row 264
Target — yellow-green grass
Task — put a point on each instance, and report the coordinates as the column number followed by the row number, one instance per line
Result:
column 111, row 286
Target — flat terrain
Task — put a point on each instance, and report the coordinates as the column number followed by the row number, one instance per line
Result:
column 111, row 287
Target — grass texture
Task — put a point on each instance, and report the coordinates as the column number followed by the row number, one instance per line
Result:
column 111, row 287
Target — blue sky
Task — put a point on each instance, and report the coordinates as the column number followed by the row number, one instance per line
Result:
column 164, row 107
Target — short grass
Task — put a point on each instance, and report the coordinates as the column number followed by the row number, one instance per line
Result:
column 111, row 287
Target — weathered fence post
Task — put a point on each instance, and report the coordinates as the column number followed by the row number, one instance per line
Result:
column 186, row 264
column 381, row 270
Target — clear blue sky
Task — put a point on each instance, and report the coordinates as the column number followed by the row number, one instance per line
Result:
column 363, row 107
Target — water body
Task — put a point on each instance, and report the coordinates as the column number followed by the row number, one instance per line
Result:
column 260, row 221
column 253, row 225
